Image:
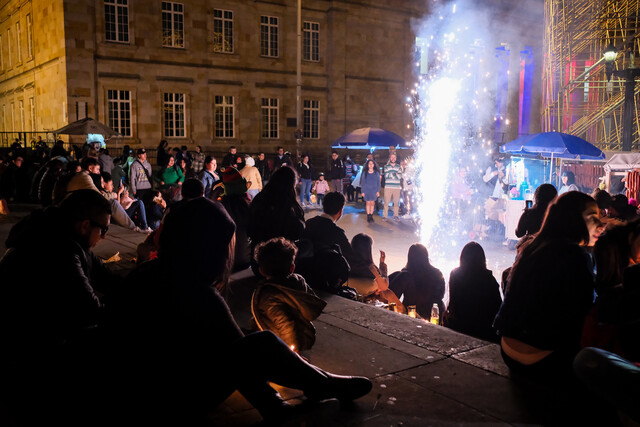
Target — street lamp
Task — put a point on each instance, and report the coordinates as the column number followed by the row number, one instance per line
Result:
column 629, row 75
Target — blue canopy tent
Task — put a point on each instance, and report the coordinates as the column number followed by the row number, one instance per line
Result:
column 553, row 145
column 370, row 139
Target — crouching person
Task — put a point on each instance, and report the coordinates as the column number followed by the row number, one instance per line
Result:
column 283, row 302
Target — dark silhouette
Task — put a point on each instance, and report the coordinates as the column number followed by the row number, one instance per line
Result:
column 531, row 219
column 474, row 295
column 421, row 283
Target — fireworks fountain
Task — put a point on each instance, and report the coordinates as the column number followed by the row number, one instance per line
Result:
column 451, row 104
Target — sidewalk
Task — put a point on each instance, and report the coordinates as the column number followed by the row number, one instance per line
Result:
column 423, row 374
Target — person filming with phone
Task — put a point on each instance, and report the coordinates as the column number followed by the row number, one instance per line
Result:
column 531, row 219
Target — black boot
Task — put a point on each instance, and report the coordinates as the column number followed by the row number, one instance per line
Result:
column 343, row 388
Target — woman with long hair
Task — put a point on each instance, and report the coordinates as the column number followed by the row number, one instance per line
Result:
column 420, row 282
column 474, row 295
column 550, row 291
column 531, row 219
column 370, row 184
column 568, row 182
column 275, row 211
column 170, row 178
column 373, row 278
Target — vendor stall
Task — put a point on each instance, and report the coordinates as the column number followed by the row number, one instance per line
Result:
column 621, row 174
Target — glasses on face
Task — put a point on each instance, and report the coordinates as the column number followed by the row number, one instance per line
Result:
column 103, row 228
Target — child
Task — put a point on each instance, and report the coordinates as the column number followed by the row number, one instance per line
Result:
column 283, row 302
column 320, row 187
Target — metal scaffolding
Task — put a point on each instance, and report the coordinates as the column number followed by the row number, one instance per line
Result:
column 577, row 99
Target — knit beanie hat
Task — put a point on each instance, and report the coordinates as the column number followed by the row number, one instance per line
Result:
column 233, row 182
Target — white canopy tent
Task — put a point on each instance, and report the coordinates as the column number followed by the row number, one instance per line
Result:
column 622, row 162
column 617, row 167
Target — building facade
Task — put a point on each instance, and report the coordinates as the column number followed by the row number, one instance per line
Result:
column 218, row 73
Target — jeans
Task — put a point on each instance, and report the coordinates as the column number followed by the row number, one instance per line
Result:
column 119, row 215
column 611, row 377
column 320, row 199
column 252, row 193
column 137, row 207
column 305, row 190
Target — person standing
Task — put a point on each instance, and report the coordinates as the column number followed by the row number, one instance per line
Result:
column 568, row 183
column 337, row 172
column 10, row 182
column 58, row 149
column 351, row 169
column 208, row 175
column 392, row 172
column 370, row 184
column 230, row 159
column 321, row 187
column 496, row 179
column 281, row 159
column 161, row 153
column 306, row 173
column 252, row 175
column 197, row 160
column 105, row 160
column 263, row 167
column 140, row 175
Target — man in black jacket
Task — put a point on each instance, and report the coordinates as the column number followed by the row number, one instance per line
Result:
column 51, row 308
column 337, row 172
column 263, row 167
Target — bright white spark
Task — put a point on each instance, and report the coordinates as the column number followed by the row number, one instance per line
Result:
column 435, row 152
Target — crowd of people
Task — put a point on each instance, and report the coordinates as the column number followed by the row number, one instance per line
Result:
column 566, row 307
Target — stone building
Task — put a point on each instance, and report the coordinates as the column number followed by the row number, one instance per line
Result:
column 217, row 73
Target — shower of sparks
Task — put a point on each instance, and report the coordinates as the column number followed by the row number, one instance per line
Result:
column 451, row 106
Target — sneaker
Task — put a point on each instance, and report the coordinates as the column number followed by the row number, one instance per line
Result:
column 396, row 218
column 385, row 219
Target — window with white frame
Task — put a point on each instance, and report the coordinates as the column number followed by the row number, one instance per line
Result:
column 32, row 110
column 19, row 42
column 173, row 106
column 222, row 31
column 29, row 36
column 119, row 111
column 269, row 36
column 172, row 24
column 311, row 41
column 311, row 116
column 223, row 114
column 9, row 63
column 116, row 20
column 270, row 118
column 21, row 111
